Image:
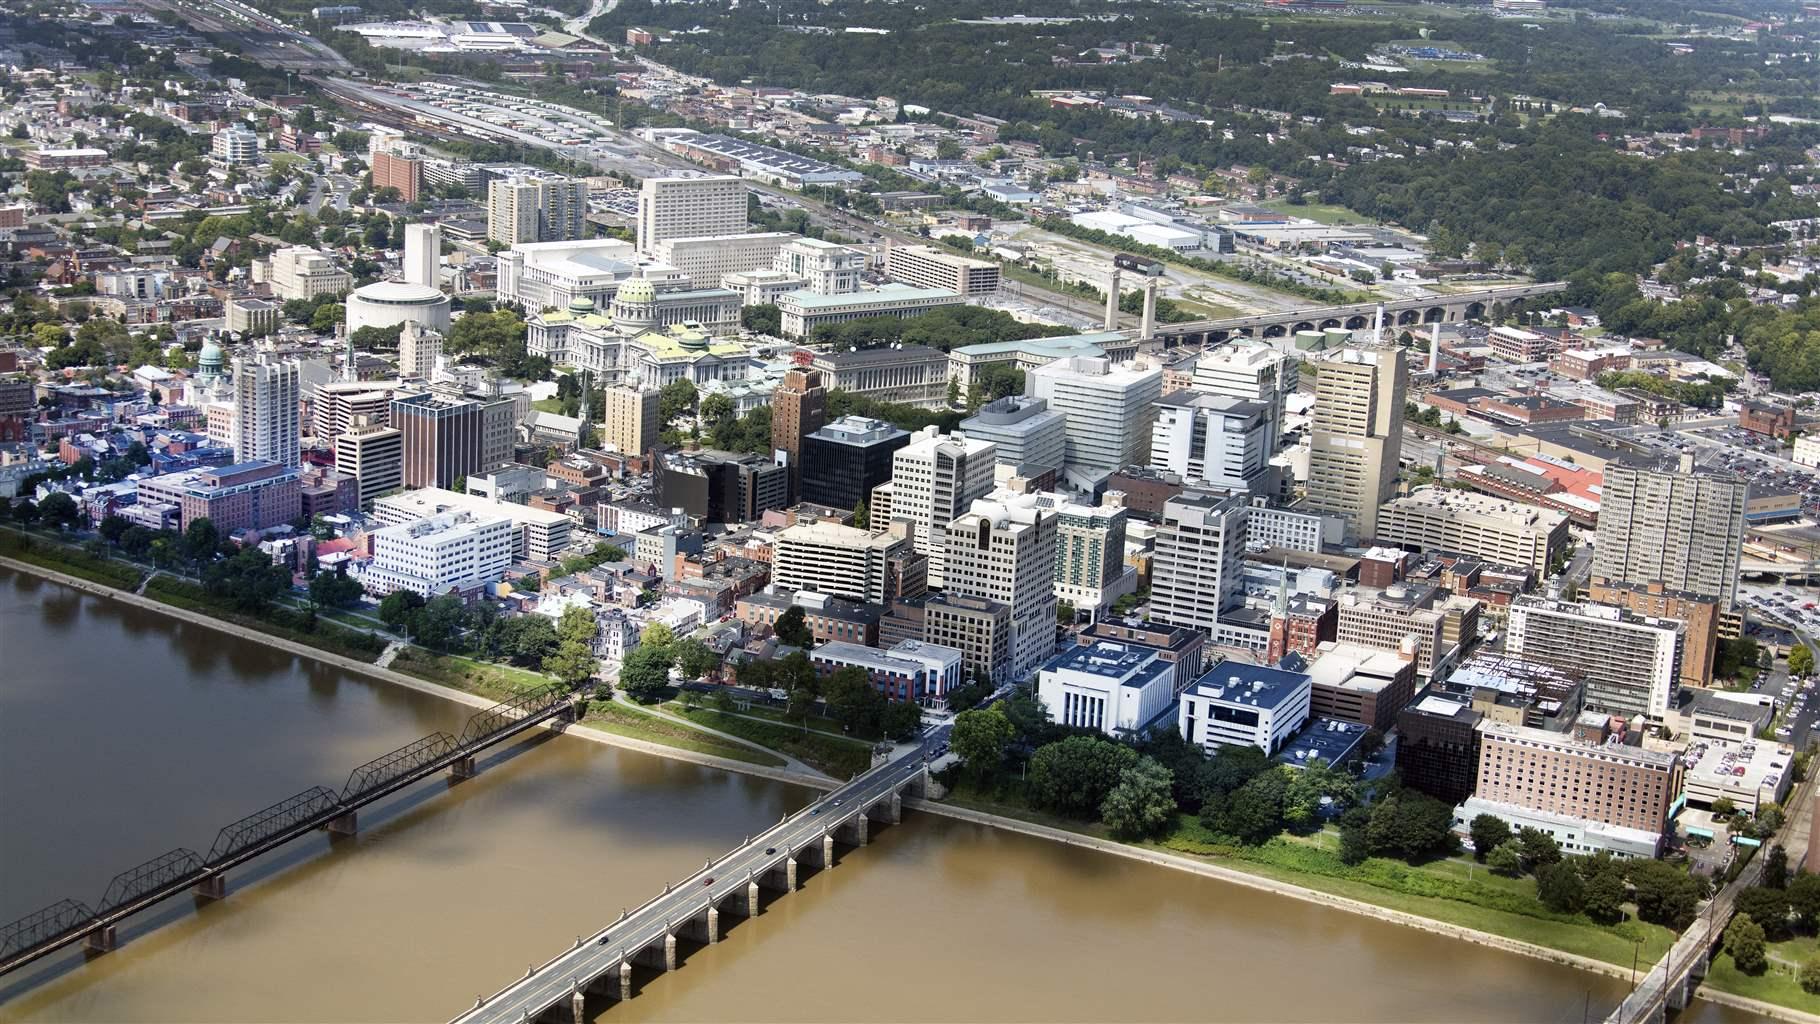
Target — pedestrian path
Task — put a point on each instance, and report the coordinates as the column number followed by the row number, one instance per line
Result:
column 791, row 763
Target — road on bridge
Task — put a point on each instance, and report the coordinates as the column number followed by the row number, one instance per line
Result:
column 550, row 984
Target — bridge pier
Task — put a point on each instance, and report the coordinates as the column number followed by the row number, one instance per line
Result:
column 893, row 809
column 463, row 768
column 790, row 874
column 857, row 825
column 659, row 957
column 346, row 825
column 578, row 1005
column 827, row 850
column 102, row 940
column 214, row 887
column 625, row 980
column 703, row 925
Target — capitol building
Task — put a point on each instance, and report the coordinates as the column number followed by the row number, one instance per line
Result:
column 629, row 345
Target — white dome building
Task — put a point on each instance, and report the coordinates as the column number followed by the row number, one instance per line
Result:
column 635, row 305
column 389, row 303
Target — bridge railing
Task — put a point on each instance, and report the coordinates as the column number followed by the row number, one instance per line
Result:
column 41, row 926
column 154, row 874
column 673, row 888
column 54, row 925
column 267, row 822
column 397, row 764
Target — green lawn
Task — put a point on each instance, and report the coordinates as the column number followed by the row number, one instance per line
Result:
column 1455, row 891
column 552, row 405
column 1778, row 984
column 1210, row 310
column 480, row 677
column 817, row 723
column 279, row 622
column 616, row 718
column 70, row 560
column 840, row 758
column 1321, row 213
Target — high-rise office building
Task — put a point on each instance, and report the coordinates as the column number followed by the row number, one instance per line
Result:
column 447, row 435
column 1678, row 527
column 535, row 209
column 1110, row 409
column 423, row 255
column 926, row 266
column 1195, row 574
column 1004, row 550
column 934, row 479
column 1030, row 437
column 630, row 420
column 689, row 208
column 1357, row 435
column 1442, row 519
column 1216, row 440
column 799, row 407
column 844, row 460
column 829, row 269
column 373, row 455
column 266, row 410
column 705, row 260
column 720, row 487
column 1632, row 663
column 1250, row 371
column 341, row 404
column 844, row 561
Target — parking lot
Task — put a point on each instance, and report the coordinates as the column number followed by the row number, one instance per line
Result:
column 1797, row 610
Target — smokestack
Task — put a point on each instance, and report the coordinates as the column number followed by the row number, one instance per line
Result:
column 1148, row 330
column 1112, row 303
column 1434, row 350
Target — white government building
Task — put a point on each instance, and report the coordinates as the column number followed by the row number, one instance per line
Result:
column 450, row 550
column 628, row 345
column 1114, row 688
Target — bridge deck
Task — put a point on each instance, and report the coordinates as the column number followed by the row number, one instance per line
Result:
column 265, row 831
column 727, row 877
column 1315, row 314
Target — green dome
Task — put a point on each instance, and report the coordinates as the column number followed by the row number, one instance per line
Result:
column 637, row 291
column 211, row 354
column 581, row 305
column 694, row 341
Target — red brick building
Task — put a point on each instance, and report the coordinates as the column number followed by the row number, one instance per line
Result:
column 400, row 172
column 1766, row 418
column 1301, row 628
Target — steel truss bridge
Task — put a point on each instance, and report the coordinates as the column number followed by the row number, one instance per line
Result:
column 69, row 921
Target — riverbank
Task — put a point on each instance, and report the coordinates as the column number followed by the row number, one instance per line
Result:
column 1181, row 862
column 371, row 671
column 1148, row 855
